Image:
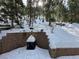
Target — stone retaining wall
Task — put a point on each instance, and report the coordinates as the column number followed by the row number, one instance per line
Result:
column 54, row 53
column 16, row 40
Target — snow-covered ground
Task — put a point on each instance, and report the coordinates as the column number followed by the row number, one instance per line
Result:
column 38, row 53
column 61, row 37
column 73, row 29
column 37, row 28
column 69, row 57
column 23, row 53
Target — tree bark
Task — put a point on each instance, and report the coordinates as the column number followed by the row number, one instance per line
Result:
column 12, row 24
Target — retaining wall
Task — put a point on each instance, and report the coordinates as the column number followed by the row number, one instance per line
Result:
column 16, row 40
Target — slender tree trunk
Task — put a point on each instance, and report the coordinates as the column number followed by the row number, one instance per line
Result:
column 12, row 25
column 30, row 2
column 49, row 23
column 48, row 11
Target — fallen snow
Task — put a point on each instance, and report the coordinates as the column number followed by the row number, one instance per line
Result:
column 36, row 28
column 38, row 53
column 76, row 25
column 62, row 39
column 73, row 29
column 23, row 53
column 69, row 57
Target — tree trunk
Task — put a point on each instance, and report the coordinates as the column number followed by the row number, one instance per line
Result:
column 30, row 22
column 30, row 2
column 49, row 22
column 12, row 25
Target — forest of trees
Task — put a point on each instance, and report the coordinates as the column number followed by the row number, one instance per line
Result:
column 56, row 10
column 11, row 9
column 52, row 10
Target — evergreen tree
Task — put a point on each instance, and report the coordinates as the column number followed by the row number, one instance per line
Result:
column 48, row 10
column 60, row 11
column 73, row 10
column 56, row 11
column 12, row 9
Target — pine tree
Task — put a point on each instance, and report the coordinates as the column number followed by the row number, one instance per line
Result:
column 60, row 11
column 74, row 10
column 48, row 10
column 12, row 9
